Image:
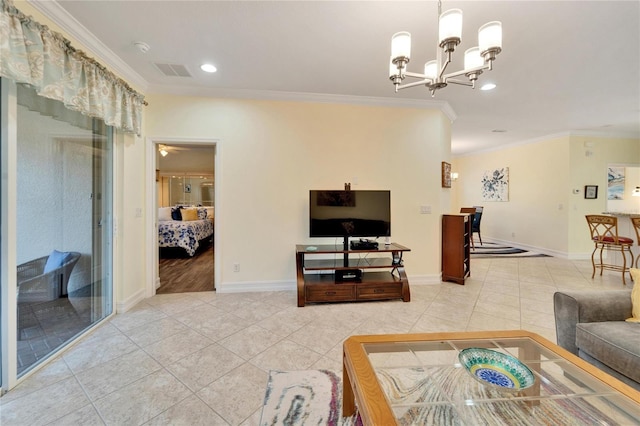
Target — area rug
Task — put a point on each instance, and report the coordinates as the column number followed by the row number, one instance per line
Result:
column 313, row 397
column 498, row 250
column 305, row 397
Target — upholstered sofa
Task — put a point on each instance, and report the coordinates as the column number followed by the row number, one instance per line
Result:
column 591, row 325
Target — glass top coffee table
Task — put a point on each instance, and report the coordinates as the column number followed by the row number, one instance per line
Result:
column 409, row 379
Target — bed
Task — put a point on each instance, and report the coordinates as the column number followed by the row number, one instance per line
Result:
column 185, row 234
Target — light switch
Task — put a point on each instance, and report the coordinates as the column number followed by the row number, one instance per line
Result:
column 425, row 209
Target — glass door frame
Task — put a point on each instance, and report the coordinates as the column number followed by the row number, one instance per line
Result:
column 8, row 230
column 8, row 266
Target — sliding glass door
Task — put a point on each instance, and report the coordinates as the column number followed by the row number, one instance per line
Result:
column 63, row 226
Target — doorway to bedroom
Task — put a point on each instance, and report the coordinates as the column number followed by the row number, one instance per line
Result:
column 185, row 194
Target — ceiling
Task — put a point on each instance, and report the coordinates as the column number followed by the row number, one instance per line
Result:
column 566, row 66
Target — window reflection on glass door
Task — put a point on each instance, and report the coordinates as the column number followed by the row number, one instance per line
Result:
column 63, row 226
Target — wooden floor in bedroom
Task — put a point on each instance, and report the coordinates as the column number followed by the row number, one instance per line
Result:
column 180, row 273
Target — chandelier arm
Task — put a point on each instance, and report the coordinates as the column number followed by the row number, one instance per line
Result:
column 444, row 66
column 417, row 83
column 464, row 72
column 461, row 82
column 415, row 75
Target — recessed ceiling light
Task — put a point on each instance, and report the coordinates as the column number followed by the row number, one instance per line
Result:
column 488, row 86
column 499, row 131
column 208, row 68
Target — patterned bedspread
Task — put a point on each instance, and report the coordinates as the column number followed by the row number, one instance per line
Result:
column 175, row 233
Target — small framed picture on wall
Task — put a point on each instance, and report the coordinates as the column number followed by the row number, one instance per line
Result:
column 591, row 192
column 446, row 175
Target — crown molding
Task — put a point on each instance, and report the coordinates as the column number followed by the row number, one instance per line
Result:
column 568, row 134
column 306, row 97
column 62, row 18
column 75, row 29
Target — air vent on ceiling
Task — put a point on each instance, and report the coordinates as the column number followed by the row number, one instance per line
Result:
column 173, row 70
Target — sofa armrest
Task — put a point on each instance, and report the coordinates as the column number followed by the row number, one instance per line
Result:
column 573, row 307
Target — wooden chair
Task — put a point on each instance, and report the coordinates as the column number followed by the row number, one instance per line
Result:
column 471, row 211
column 475, row 227
column 635, row 221
column 604, row 234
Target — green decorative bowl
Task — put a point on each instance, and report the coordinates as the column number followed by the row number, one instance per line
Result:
column 496, row 369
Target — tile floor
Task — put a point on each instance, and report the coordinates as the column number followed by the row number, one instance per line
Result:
column 204, row 358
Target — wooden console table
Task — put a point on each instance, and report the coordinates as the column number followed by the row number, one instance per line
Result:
column 380, row 277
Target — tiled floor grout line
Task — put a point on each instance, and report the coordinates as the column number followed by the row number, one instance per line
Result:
column 276, row 310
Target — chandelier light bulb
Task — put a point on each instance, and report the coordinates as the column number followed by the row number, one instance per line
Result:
column 472, row 58
column 490, row 37
column 401, row 45
column 431, row 70
column 450, row 27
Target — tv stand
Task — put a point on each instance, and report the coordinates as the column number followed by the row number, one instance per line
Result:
column 380, row 278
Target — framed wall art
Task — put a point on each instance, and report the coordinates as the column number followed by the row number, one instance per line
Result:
column 591, row 192
column 446, row 175
column 615, row 183
column 495, row 185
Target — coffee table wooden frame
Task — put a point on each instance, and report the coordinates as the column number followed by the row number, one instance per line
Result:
column 361, row 388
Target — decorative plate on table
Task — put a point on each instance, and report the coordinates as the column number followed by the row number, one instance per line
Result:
column 496, row 369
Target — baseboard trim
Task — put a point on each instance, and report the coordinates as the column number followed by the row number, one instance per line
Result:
column 256, row 286
column 259, row 286
column 130, row 302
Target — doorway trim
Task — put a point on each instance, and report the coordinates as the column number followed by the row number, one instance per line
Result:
column 151, row 219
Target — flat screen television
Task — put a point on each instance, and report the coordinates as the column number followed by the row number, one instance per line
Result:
column 358, row 213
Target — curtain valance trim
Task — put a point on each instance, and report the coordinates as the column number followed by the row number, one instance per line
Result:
column 33, row 54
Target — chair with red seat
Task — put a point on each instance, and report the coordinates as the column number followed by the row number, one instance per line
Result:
column 604, row 234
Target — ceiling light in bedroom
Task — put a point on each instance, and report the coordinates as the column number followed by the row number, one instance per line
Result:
column 476, row 60
column 163, row 150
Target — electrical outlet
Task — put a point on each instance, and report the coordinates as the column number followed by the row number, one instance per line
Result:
column 425, row 209
column 236, row 267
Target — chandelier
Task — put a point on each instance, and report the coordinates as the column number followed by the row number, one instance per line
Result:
column 476, row 59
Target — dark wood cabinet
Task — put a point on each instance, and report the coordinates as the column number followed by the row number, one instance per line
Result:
column 456, row 247
column 368, row 277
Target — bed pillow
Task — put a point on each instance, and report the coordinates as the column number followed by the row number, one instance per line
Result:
column 175, row 214
column 209, row 212
column 189, row 214
column 202, row 213
column 164, row 213
column 55, row 260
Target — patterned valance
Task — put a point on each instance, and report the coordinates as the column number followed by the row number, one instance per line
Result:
column 31, row 53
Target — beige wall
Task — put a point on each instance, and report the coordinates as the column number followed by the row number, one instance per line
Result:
column 543, row 212
column 590, row 157
column 271, row 153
